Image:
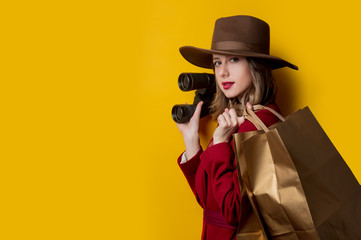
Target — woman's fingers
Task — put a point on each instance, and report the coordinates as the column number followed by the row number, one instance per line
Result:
column 190, row 129
column 197, row 113
column 221, row 120
column 233, row 117
column 224, row 120
column 249, row 105
column 227, row 126
column 228, row 119
column 240, row 120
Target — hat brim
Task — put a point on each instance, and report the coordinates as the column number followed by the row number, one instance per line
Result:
column 203, row 57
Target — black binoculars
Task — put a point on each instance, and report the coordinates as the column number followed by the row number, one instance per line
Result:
column 206, row 87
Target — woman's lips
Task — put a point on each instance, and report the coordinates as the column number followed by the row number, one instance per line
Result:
column 227, row 85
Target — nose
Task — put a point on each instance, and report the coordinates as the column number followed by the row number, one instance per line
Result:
column 223, row 70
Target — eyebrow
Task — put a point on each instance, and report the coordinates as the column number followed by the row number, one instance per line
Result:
column 216, row 58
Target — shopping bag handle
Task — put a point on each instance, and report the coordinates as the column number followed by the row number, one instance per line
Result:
column 248, row 117
column 260, row 107
column 251, row 116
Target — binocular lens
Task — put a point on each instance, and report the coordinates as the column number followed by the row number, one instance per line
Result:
column 191, row 81
column 182, row 113
column 179, row 113
column 185, row 83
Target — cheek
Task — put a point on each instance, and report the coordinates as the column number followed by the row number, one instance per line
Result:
column 248, row 80
column 247, row 76
column 244, row 77
column 219, row 82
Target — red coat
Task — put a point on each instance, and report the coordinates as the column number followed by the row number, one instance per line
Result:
column 213, row 178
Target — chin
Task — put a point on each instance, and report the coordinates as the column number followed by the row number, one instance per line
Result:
column 230, row 95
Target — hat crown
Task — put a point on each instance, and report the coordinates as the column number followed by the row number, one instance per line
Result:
column 241, row 32
column 239, row 35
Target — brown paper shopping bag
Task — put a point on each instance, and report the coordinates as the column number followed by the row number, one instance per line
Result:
column 277, row 197
column 251, row 226
column 332, row 192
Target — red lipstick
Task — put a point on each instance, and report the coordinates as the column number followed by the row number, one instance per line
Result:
column 227, row 85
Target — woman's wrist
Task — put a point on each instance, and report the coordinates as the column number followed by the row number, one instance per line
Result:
column 219, row 140
column 192, row 146
column 190, row 153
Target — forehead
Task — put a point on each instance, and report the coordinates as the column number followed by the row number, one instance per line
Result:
column 222, row 56
column 219, row 56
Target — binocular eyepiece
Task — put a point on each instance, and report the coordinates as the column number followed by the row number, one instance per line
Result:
column 205, row 85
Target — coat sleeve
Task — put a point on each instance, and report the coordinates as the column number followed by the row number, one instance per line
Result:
column 219, row 163
column 189, row 170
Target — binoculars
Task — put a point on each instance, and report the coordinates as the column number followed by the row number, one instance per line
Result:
column 205, row 85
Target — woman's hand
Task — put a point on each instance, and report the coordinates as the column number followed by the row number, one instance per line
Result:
column 190, row 134
column 228, row 123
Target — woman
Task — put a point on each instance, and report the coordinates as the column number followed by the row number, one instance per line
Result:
column 242, row 66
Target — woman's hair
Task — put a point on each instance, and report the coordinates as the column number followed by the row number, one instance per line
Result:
column 262, row 91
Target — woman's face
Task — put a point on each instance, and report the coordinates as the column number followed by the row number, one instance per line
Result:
column 233, row 74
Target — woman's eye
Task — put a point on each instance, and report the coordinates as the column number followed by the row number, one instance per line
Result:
column 235, row 59
column 217, row 63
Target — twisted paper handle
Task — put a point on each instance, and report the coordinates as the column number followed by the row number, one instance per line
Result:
column 251, row 116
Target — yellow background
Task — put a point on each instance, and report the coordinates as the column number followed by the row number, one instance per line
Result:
column 88, row 145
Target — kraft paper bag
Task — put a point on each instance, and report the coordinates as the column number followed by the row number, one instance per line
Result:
column 273, row 186
column 251, row 223
column 332, row 192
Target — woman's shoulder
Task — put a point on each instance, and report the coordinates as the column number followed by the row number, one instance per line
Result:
column 267, row 117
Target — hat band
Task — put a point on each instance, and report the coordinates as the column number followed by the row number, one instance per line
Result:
column 233, row 45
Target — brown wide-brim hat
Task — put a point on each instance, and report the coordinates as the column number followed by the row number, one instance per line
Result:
column 237, row 36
